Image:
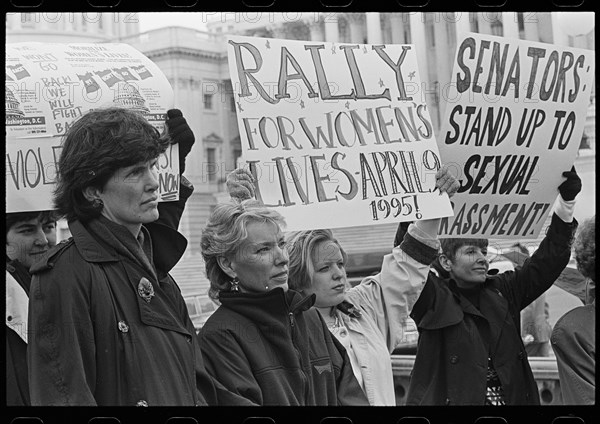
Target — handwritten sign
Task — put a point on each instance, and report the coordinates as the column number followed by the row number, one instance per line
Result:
column 513, row 123
column 336, row 134
column 48, row 86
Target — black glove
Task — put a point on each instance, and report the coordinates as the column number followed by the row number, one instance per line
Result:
column 180, row 133
column 571, row 187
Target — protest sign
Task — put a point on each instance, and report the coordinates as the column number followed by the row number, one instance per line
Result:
column 513, row 123
column 48, row 86
column 336, row 134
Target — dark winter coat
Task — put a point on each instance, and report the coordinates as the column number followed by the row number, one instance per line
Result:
column 452, row 356
column 274, row 349
column 17, row 386
column 95, row 341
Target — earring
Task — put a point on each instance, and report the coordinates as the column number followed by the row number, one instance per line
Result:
column 97, row 204
column 235, row 285
column 266, row 287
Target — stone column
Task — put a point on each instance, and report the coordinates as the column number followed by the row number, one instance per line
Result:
column 373, row 28
column 316, row 30
column 559, row 36
column 531, row 27
column 461, row 24
column 397, row 28
column 332, row 33
column 485, row 24
column 417, row 36
column 356, row 22
column 510, row 25
column 443, row 60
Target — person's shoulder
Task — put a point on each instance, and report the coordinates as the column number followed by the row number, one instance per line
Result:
column 53, row 256
column 580, row 316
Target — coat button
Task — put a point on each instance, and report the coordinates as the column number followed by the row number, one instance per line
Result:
column 123, row 328
column 141, row 403
column 454, row 359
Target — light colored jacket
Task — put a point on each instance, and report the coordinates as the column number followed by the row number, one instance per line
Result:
column 385, row 301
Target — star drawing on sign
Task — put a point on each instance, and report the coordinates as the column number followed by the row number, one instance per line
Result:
column 347, row 105
column 268, row 45
column 302, row 104
column 380, row 82
column 254, row 131
column 411, row 75
column 240, row 107
column 333, row 49
column 365, row 51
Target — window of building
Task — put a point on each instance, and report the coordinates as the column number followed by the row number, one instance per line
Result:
column 210, row 162
column 27, row 20
column 208, row 101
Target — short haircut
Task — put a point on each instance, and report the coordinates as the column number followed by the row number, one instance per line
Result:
column 584, row 248
column 451, row 245
column 225, row 231
column 14, row 218
column 97, row 145
column 301, row 248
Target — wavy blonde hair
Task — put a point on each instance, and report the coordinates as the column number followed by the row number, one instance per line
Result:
column 225, row 231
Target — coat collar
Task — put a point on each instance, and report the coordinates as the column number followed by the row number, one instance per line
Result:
column 268, row 306
column 168, row 245
column 450, row 307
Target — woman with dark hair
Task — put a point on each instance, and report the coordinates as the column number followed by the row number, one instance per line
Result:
column 109, row 325
column 265, row 343
column 574, row 335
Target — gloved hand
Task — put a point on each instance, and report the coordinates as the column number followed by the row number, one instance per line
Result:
column 180, row 133
column 571, row 186
column 240, row 184
column 445, row 182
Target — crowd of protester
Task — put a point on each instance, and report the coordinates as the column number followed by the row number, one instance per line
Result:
column 98, row 320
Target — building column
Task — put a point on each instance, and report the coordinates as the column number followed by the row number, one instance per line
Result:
column 316, row 30
column 397, row 28
column 510, row 25
column 485, row 26
column 373, row 28
column 531, row 30
column 332, row 33
column 443, row 61
column 356, row 23
column 461, row 24
column 417, row 37
column 559, row 36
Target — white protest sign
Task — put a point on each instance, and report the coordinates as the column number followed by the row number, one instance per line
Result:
column 49, row 85
column 513, row 123
column 336, row 134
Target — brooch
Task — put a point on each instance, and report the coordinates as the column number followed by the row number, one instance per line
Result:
column 145, row 289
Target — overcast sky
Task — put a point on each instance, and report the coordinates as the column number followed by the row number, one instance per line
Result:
column 149, row 20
